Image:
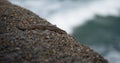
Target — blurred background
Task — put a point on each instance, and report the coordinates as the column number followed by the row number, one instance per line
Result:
column 94, row 23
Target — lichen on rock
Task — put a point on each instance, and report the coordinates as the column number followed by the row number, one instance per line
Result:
column 27, row 38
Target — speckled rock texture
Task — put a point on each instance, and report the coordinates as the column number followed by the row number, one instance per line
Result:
column 27, row 38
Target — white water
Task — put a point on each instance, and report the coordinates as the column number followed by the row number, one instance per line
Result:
column 69, row 14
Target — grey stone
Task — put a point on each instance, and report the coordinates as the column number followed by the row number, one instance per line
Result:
column 28, row 38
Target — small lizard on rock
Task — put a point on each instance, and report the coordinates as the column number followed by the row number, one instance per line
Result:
column 42, row 27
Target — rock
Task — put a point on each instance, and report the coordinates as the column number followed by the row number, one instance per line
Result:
column 27, row 38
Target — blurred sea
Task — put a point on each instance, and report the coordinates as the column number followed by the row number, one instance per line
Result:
column 67, row 14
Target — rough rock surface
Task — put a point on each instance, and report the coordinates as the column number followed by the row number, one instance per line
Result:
column 27, row 38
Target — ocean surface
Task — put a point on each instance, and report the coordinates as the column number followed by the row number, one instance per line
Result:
column 67, row 14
